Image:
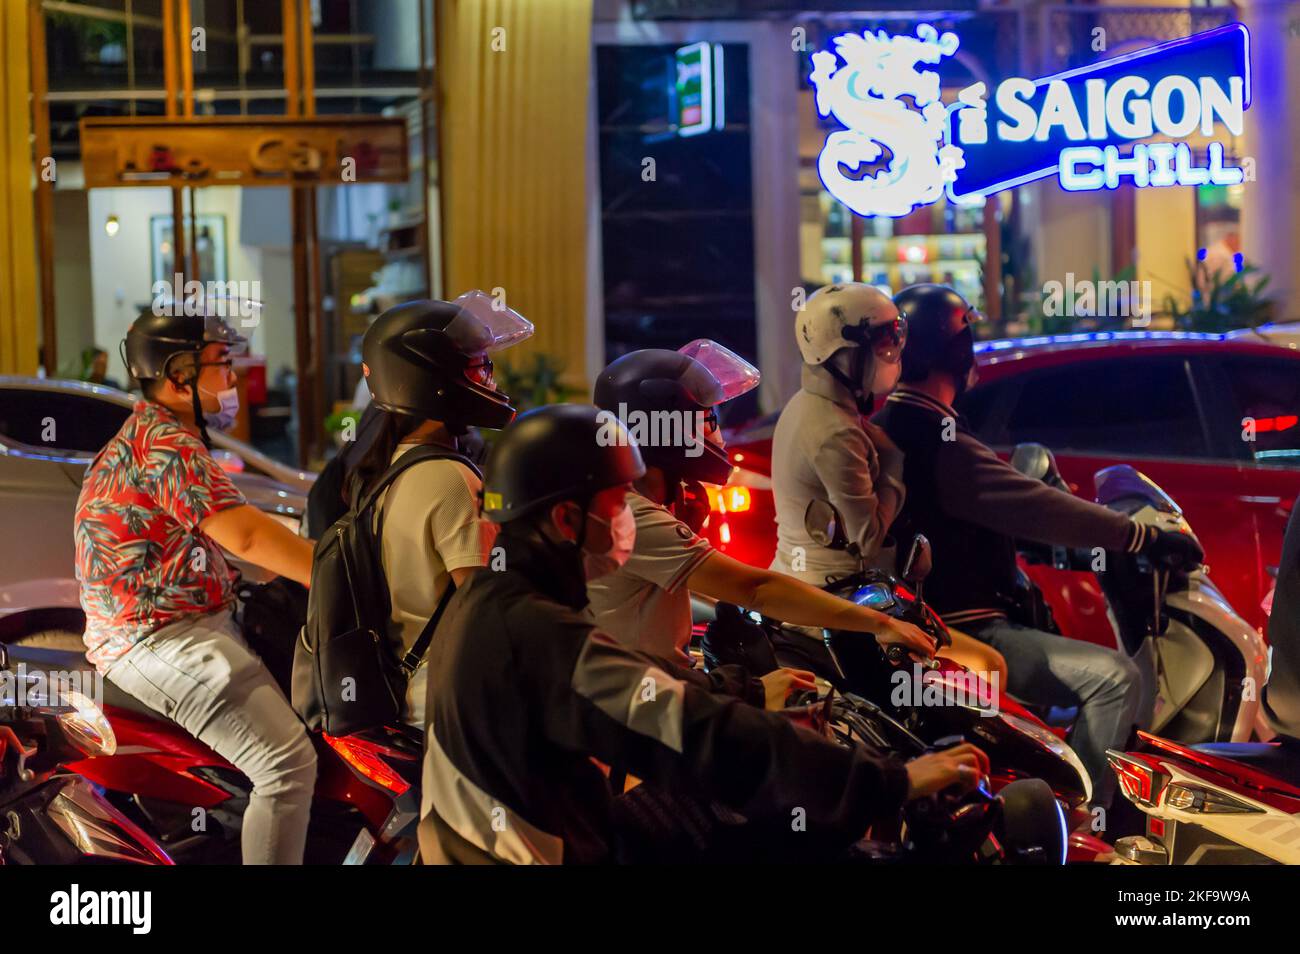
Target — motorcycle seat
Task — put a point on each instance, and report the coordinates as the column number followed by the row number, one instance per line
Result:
column 1278, row 760
column 61, row 660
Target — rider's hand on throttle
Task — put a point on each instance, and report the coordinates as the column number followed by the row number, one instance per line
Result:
column 779, row 683
column 912, row 638
column 1173, row 549
column 962, row 765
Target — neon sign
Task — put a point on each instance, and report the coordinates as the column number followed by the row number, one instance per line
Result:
column 698, row 90
column 1082, row 126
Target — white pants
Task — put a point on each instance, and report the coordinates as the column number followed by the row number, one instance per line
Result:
column 200, row 673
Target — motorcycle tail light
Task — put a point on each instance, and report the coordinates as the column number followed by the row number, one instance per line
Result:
column 1189, row 798
column 368, row 760
column 1141, row 783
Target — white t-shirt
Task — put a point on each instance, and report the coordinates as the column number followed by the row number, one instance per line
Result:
column 430, row 526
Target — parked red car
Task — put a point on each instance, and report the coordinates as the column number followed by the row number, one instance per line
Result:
column 1211, row 418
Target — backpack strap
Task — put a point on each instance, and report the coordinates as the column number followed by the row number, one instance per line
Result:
column 421, row 645
column 416, row 455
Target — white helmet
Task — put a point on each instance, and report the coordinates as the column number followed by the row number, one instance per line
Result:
column 820, row 328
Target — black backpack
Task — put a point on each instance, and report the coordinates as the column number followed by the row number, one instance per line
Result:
column 346, row 677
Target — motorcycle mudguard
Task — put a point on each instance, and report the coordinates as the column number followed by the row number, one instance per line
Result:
column 1182, row 664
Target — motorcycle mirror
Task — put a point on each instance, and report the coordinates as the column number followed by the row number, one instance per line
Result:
column 822, row 522
column 919, row 561
column 1039, row 463
column 1032, row 460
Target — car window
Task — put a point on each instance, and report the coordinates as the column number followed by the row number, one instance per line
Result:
column 1135, row 407
column 1267, row 392
column 58, row 420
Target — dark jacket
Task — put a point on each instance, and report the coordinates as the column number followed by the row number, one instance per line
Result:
column 524, row 692
column 972, row 506
column 1282, row 694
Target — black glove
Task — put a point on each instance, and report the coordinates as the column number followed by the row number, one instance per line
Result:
column 1173, row 550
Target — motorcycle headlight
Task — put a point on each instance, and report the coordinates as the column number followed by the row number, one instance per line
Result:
column 86, row 725
column 1050, row 741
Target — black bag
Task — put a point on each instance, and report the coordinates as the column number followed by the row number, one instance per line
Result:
column 271, row 616
column 345, row 676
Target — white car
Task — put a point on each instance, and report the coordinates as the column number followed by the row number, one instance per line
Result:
column 40, row 479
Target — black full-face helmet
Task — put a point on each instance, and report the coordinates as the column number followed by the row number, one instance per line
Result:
column 421, row 358
column 688, row 383
column 940, row 332
column 555, row 453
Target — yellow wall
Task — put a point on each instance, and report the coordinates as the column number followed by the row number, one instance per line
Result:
column 513, row 79
column 19, row 308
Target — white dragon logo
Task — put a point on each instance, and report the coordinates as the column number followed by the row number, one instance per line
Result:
column 864, row 94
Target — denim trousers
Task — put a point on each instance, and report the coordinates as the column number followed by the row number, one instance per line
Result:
column 1051, row 670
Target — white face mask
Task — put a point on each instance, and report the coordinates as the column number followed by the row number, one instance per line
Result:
column 223, row 418
column 884, row 376
column 622, row 534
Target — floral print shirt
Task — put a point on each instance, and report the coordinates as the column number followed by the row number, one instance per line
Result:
column 142, row 560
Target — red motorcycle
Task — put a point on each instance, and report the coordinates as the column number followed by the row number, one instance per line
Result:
column 48, row 815
column 366, row 804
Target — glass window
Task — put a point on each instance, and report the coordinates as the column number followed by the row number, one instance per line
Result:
column 80, row 424
column 1131, row 407
column 1267, row 392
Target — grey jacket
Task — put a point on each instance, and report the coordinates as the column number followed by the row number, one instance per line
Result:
column 820, row 451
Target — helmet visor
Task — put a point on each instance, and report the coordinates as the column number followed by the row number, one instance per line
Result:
column 485, row 324
column 735, row 375
column 217, row 330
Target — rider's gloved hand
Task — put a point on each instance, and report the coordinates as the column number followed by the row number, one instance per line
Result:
column 1172, row 549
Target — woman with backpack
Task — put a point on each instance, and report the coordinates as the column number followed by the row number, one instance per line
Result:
column 428, row 368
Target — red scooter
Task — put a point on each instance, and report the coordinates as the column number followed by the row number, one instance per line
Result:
column 48, row 815
column 192, row 800
column 1214, row 803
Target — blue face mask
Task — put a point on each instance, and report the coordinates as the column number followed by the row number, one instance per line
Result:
column 225, row 416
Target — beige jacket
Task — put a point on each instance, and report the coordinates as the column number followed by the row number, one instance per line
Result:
column 820, row 451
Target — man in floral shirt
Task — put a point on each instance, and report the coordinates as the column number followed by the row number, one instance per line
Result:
column 154, row 513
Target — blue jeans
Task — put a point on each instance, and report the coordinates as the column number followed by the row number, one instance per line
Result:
column 1051, row 670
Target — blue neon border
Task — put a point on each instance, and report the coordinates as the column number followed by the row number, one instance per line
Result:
column 968, row 197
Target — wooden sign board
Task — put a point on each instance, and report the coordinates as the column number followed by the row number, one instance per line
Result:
column 236, row 150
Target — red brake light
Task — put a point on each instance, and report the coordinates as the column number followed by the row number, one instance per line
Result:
column 1283, row 422
column 367, row 758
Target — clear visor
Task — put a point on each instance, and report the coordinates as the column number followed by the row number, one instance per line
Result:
column 735, row 375
column 218, row 330
column 485, row 324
